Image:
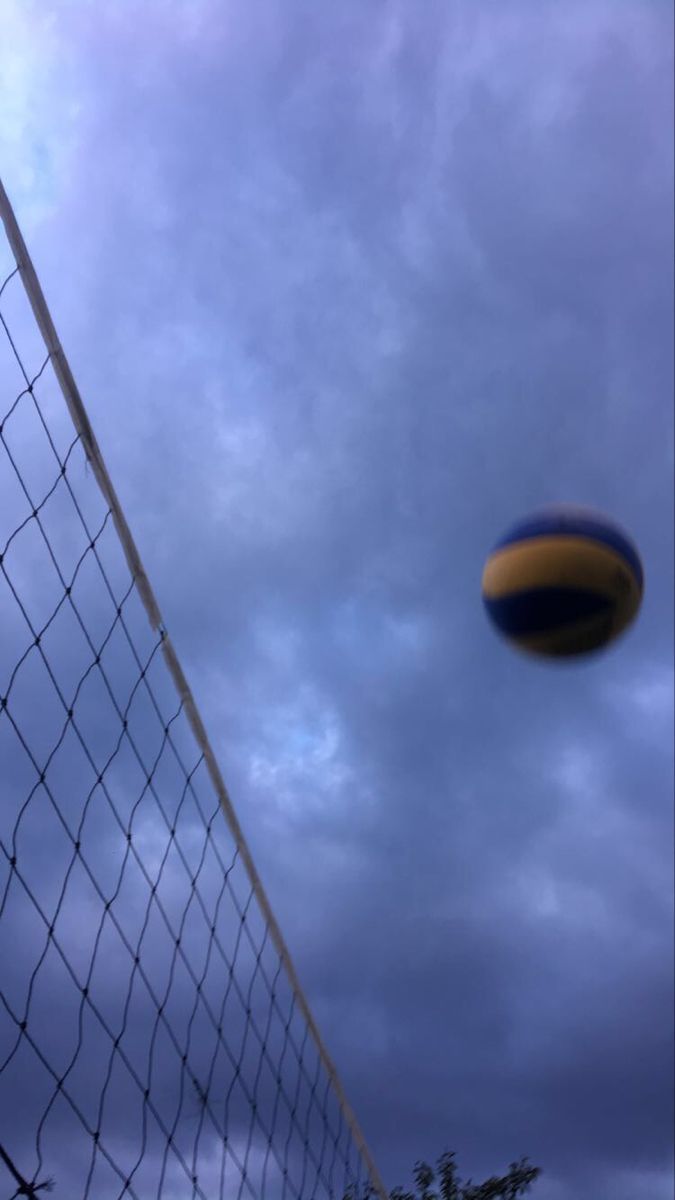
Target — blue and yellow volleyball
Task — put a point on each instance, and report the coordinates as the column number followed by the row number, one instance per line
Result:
column 564, row 582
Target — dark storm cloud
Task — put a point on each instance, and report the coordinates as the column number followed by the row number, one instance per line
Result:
column 346, row 292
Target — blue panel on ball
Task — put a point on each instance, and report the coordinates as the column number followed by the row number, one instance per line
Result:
column 549, row 524
column 541, row 609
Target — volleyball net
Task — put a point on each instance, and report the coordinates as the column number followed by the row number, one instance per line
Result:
column 154, row 1037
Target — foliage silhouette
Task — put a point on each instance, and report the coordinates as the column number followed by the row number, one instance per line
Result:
column 442, row 1182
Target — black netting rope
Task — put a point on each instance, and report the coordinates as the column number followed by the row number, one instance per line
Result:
column 153, row 1038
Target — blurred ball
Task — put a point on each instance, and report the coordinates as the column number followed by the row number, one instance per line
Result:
column 563, row 582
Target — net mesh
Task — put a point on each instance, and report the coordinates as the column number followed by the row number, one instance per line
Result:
column 152, row 1042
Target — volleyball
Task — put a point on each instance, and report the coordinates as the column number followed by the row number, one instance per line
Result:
column 563, row 582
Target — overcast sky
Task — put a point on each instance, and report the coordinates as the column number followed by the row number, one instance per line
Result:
column 347, row 288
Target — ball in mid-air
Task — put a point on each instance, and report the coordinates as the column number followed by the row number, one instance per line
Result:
column 563, row 582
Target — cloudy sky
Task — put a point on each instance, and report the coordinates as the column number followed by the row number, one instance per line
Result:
column 347, row 288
